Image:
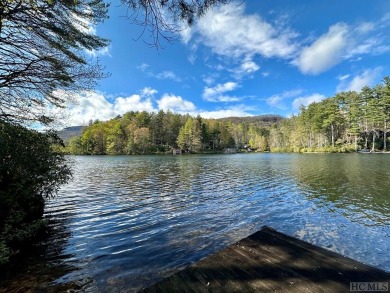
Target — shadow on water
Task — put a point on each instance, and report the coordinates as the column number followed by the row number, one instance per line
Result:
column 37, row 269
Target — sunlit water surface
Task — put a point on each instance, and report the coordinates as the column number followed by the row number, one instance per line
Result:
column 125, row 222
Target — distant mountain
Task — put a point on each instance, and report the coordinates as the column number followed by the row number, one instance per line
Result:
column 265, row 120
column 68, row 132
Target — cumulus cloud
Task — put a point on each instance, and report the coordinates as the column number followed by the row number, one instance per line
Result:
column 307, row 100
column 228, row 31
column 366, row 78
column 232, row 33
column 90, row 105
column 216, row 94
column 132, row 103
column 175, row 103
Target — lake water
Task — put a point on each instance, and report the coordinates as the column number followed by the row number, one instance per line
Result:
column 125, row 222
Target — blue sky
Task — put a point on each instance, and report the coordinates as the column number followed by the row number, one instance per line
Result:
column 260, row 57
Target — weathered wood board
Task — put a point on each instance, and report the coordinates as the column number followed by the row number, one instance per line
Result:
column 269, row 261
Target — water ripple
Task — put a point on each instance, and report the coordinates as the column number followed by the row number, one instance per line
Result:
column 128, row 221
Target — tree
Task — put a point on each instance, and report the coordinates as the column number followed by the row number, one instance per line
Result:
column 142, row 139
column 164, row 19
column 157, row 129
column 75, row 145
column 30, row 173
column 385, row 93
column 374, row 114
column 43, row 45
column 172, row 124
column 190, row 136
column 332, row 116
column 351, row 107
column 116, row 137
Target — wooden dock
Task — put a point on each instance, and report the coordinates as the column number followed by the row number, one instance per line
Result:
column 269, row 261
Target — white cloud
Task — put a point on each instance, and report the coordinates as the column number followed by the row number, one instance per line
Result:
column 105, row 51
column 148, row 92
column 343, row 42
column 224, row 98
column 249, row 67
column 86, row 26
column 167, row 75
column 132, row 103
column 325, row 52
column 246, row 68
column 232, row 33
column 143, row 67
column 366, row 78
column 365, row 27
column 228, row 31
column 307, row 100
column 277, row 100
column 208, row 80
column 90, row 105
column 367, row 46
column 343, row 77
column 186, row 34
column 215, row 94
column 175, row 103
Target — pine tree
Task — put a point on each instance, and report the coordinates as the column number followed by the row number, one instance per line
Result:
column 43, row 45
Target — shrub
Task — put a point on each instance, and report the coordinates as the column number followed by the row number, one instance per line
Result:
column 30, row 173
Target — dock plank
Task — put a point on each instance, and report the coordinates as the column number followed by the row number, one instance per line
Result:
column 269, row 261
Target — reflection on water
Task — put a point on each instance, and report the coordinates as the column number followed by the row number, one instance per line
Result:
column 126, row 222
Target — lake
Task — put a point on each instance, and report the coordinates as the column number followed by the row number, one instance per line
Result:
column 125, row 222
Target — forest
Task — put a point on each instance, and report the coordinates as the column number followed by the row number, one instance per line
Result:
column 347, row 122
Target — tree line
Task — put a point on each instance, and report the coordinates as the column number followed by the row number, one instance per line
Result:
column 143, row 132
column 349, row 121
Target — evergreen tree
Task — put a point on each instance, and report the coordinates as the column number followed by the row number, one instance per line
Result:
column 43, row 46
column 385, row 98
